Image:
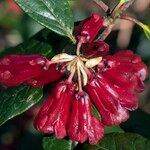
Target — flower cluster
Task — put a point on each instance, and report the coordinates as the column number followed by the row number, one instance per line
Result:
column 110, row 82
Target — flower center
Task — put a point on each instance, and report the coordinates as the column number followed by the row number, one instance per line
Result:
column 76, row 65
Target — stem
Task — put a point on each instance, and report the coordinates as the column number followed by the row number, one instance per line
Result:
column 78, row 48
column 102, row 5
column 79, row 78
column 106, row 32
column 132, row 19
column 88, row 72
column 72, row 38
column 120, row 8
column 48, row 63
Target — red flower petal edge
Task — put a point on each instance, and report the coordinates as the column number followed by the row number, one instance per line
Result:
column 82, row 125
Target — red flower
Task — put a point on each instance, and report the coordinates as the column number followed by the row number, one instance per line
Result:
column 106, row 100
column 82, row 125
column 17, row 69
column 113, row 88
column 87, row 30
column 124, row 69
column 54, row 114
column 112, row 82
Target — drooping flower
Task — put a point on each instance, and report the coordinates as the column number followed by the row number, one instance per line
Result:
column 105, row 100
column 18, row 69
column 54, row 114
column 113, row 88
column 82, row 125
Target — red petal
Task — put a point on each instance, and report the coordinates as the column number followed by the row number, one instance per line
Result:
column 15, row 69
column 109, row 106
column 54, row 72
column 54, row 114
column 82, row 126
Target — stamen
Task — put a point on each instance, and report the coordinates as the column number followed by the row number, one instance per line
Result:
column 78, row 48
column 71, row 75
column 84, row 74
column 79, row 78
column 88, row 72
column 63, row 56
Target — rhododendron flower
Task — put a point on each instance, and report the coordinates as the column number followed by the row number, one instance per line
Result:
column 54, row 114
column 110, row 82
column 113, row 88
column 105, row 100
column 82, row 125
column 17, row 69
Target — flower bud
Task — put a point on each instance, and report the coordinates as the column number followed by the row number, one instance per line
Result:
column 87, row 30
column 53, row 116
column 82, row 125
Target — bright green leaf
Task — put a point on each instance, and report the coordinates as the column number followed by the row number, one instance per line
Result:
column 124, row 1
column 16, row 100
column 146, row 30
column 120, row 141
column 53, row 14
column 51, row 143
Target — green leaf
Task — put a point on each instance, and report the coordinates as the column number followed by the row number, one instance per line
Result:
column 53, row 14
column 146, row 30
column 120, row 141
column 51, row 143
column 16, row 100
column 112, row 129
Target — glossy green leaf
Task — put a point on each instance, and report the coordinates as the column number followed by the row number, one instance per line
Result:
column 120, row 141
column 51, row 143
column 16, row 100
column 53, row 14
